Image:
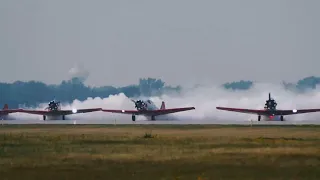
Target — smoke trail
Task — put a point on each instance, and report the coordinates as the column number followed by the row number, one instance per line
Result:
column 79, row 72
column 205, row 100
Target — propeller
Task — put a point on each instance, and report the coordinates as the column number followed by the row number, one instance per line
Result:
column 271, row 103
column 53, row 105
column 140, row 105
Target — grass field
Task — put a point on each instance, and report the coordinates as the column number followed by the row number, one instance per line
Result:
column 170, row 152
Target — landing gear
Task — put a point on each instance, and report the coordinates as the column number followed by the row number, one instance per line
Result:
column 133, row 118
column 259, row 118
column 153, row 118
column 44, row 118
column 63, row 117
column 281, row 118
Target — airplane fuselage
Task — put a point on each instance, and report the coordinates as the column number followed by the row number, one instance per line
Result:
column 271, row 118
column 53, row 108
column 270, row 115
column 53, row 117
column 149, row 106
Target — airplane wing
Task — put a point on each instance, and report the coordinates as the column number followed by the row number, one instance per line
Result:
column 296, row 111
column 264, row 112
column 149, row 112
column 247, row 111
column 8, row 111
column 60, row 112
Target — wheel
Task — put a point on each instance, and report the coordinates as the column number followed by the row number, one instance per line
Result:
column 133, row 118
column 281, row 118
column 153, row 118
column 44, row 118
column 63, row 117
column 259, row 118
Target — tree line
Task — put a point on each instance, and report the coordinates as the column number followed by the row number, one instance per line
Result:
column 32, row 93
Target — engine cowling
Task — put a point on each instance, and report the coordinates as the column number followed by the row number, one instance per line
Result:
column 53, row 106
column 140, row 105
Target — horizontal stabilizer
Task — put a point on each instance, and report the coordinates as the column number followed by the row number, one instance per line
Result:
column 5, row 107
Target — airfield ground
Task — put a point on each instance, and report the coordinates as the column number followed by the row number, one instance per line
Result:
column 150, row 152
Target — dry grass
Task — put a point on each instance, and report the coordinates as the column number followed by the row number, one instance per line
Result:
column 180, row 152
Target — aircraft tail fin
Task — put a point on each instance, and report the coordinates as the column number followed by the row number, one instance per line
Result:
column 5, row 107
column 163, row 105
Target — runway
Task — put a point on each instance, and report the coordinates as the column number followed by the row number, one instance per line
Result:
column 185, row 121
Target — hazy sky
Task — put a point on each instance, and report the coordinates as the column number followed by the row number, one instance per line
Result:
column 180, row 41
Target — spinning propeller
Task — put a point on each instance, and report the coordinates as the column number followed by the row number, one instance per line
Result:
column 140, row 105
column 53, row 106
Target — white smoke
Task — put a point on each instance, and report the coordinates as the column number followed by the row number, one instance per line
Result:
column 205, row 100
column 78, row 71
